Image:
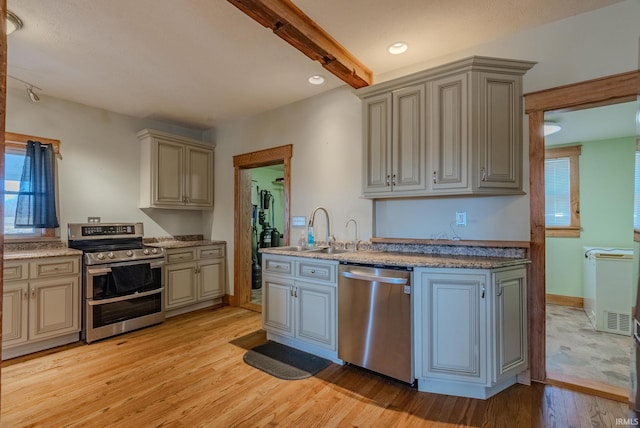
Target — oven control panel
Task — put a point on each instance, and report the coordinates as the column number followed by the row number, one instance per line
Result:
column 104, row 230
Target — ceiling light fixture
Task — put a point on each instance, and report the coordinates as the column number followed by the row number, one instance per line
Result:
column 12, row 22
column 551, row 128
column 33, row 97
column 316, row 80
column 397, row 48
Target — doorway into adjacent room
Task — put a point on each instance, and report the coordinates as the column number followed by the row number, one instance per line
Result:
column 620, row 88
column 267, row 219
column 589, row 214
column 262, row 195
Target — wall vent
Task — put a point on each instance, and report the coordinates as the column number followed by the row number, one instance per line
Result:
column 617, row 323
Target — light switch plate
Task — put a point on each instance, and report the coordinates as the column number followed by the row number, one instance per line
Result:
column 298, row 221
column 461, row 218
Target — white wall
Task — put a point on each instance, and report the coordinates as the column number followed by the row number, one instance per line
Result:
column 326, row 135
column 99, row 172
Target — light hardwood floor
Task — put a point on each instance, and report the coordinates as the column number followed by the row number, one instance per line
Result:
column 188, row 372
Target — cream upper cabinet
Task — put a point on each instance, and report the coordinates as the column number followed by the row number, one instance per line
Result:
column 394, row 153
column 452, row 130
column 175, row 172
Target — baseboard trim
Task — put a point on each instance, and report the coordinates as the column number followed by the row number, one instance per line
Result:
column 556, row 299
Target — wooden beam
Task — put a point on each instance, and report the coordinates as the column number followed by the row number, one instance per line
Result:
column 292, row 25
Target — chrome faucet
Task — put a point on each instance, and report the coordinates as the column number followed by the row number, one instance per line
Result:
column 326, row 216
column 355, row 242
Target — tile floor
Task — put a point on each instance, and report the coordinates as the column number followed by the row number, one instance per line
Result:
column 574, row 348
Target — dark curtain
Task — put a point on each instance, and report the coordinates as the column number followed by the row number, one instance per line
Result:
column 37, row 196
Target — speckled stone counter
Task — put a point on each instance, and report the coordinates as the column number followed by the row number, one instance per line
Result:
column 405, row 259
column 37, row 250
column 182, row 241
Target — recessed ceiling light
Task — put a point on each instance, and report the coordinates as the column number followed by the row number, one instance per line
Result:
column 551, row 128
column 316, row 80
column 398, row 47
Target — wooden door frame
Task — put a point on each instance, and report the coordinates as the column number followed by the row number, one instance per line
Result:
column 613, row 89
column 242, row 261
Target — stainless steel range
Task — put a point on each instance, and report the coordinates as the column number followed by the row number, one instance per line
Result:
column 123, row 280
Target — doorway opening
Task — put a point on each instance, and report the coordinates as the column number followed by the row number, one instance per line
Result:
column 598, row 92
column 267, row 219
column 247, row 218
column 589, row 268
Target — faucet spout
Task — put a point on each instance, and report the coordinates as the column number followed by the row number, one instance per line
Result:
column 326, row 216
column 346, row 225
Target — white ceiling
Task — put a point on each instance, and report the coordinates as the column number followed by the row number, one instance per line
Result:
column 197, row 63
column 594, row 124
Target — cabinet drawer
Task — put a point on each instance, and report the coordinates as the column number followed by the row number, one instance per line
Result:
column 46, row 268
column 280, row 266
column 317, row 271
column 182, row 255
column 211, row 252
column 16, row 271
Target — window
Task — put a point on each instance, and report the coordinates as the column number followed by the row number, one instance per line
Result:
column 562, row 191
column 13, row 161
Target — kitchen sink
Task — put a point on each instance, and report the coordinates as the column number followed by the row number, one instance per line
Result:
column 294, row 248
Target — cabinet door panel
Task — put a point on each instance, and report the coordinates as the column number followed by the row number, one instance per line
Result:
column 14, row 313
column 454, row 321
column 199, row 178
column 408, row 172
column 510, row 323
column 212, row 279
column 377, row 150
column 181, row 285
column 499, row 138
column 54, row 307
column 169, row 186
column 315, row 314
column 277, row 311
column 449, row 133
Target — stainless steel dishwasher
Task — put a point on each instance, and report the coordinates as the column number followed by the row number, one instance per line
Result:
column 374, row 319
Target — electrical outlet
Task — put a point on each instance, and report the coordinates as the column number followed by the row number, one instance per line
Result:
column 461, row 218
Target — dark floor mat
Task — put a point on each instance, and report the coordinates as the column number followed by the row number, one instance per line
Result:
column 284, row 362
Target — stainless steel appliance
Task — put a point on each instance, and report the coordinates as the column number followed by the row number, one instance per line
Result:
column 123, row 280
column 374, row 319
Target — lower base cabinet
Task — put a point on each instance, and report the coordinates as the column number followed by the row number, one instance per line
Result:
column 470, row 334
column 195, row 276
column 299, row 303
column 41, row 304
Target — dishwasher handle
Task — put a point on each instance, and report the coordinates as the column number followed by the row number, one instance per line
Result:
column 366, row 277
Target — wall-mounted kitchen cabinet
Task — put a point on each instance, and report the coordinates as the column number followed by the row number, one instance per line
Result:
column 175, row 172
column 452, row 130
column 394, row 156
column 470, row 334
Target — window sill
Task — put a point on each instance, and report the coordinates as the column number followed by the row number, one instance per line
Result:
column 563, row 232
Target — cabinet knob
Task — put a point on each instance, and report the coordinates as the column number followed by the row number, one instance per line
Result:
column 388, row 180
column 393, row 180
column 483, row 174
column 435, row 180
column 483, row 290
column 500, row 288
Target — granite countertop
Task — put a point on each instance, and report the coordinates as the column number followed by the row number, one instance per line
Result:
column 36, row 250
column 183, row 244
column 405, row 259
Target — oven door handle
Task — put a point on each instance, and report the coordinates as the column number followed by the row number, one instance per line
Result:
column 127, row 297
column 101, row 271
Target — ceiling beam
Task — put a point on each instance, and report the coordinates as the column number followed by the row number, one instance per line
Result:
column 289, row 23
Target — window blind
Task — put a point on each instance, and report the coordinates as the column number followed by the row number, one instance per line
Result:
column 557, row 183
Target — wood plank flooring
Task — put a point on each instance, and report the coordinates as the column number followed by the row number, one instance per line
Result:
column 188, row 372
